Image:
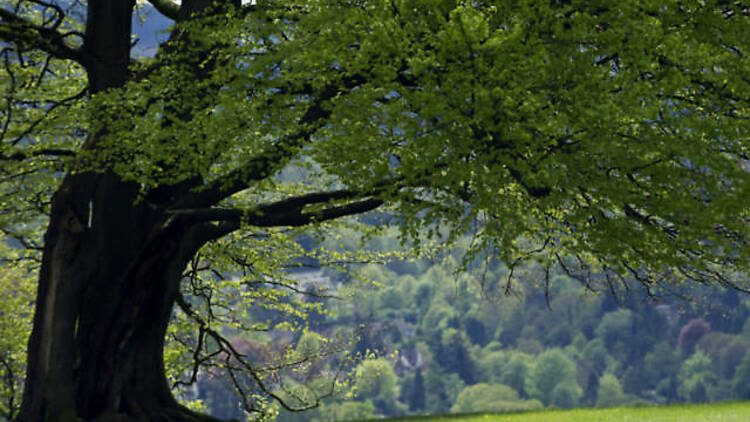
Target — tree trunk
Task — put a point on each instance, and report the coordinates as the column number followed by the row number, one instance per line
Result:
column 110, row 274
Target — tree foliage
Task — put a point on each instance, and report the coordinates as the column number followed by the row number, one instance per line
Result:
column 695, row 376
column 610, row 391
column 483, row 397
column 551, row 370
column 571, row 133
column 741, row 380
column 376, row 380
column 16, row 308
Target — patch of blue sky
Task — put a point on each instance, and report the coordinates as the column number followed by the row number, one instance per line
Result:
column 151, row 28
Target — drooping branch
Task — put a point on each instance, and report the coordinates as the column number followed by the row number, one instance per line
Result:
column 167, row 8
column 237, row 362
column 15, row 29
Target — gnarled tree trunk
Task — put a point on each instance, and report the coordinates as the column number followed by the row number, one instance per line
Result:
column 108, row 281
column 109, row 277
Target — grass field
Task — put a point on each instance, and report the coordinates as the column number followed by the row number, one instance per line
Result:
column 721, row 412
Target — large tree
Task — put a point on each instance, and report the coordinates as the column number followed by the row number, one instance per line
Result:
column 608, row 138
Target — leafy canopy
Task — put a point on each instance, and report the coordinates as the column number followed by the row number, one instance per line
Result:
column 607, row 137
column 614, row 132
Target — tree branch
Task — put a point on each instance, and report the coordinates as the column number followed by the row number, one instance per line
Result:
column 235, row 361
column 16, row 29
column 167, row 8
column 273, row 157
column 255, row 169
column 287, row 212
column 301, row 219
column 23, row 155
column 49, row 110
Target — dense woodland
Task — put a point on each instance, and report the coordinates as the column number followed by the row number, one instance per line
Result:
column 437, row 341
column 433, row 340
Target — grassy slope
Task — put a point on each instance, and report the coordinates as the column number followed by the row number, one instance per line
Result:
column 721, row 412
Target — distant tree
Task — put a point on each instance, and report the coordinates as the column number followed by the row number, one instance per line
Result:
column 491, row 398
column 651, row 327
column 509, row 332
column 453, row 355
column 691, row 333
column 516, row 371
column 660, row 364
column 437, row 319
column 590, row 387
column 475, row 331
column 732, row 356
column 417, row 395
column 634, row 379
column 376, row 380
column 616, row 329
column 529, row 345
column 695, row 377
column 566, row 395
column 594, row 356
column 391, row 298
column 666, row 390
column 725, row 350
column 490, row 365
column 345, row 411
column 559, row 336
column 442, row 390
column 423, row 294
column 609, row 392
column 550, row 369
column 741, row 379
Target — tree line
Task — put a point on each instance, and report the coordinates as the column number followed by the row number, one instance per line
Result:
column 440, row 342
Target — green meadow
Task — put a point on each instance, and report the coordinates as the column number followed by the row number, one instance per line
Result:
column 721, row 412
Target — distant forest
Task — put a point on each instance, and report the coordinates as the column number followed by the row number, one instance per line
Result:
column 442, row 341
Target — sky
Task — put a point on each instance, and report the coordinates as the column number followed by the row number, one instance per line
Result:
column 151, row 32
column 180, row 1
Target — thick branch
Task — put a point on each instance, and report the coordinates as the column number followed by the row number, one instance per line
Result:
column 298, row 202
column 16, row 29
column 301, row 219
column 288, row 212
column 256, row 169
column 274, row 157
column 167, row 8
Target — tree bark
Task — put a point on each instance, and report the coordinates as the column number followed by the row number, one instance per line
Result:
column 110, row 274
column 113, row 260
column 108, row 281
